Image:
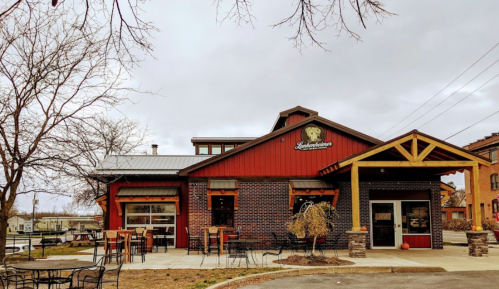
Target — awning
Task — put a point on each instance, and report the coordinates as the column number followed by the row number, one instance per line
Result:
column 310, row 184
column 148, row 191
column 147, row 195
column 222, row 184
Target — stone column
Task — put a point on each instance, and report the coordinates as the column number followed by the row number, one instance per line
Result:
column 357, row 244
column 478, row 244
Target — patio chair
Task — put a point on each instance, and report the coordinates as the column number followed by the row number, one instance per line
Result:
column 114, row 242
column 111, row 272
column 272, row 252
column 237, row 251
column 139, row 247
column 98, row 242
column 160, row 240
column 213, row 240
column 192, row 242
column 87, row 278
column 334, row 243
column 205, row 253
column 14, row 275
column 18, row 280
column 236, row 235
column 296, row 244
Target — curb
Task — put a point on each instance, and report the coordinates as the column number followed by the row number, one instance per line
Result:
column 325, row 270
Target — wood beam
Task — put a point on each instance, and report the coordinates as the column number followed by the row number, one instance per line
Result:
column 405, row 153
column 425, row 152
column 407, row 164
column 475, row 195
column 414, row 148
column 455, row 151
column 355, row 198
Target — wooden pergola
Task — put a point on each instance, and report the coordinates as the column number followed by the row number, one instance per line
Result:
column 413, row 150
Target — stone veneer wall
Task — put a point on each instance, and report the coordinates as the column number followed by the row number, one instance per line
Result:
column 263, row 208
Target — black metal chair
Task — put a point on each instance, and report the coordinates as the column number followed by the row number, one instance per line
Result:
column 98, row 242
column 160, row 240
column 111, row 272
column 334, row 243
column 87, row 278
column 16, row 276
column 271, row 251
column 139, row 246
column 237, row 251
column 193, row 243
column 296, row 244
column 18, row 280
column 205, row 253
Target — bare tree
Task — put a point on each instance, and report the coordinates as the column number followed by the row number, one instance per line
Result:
column 53, row 74
column 120, row 22
column 309, row 17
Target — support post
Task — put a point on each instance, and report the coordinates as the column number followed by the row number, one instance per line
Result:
column 475, row 192
column 355, row 198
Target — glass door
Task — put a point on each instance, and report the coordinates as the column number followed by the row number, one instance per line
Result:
column 383, row 222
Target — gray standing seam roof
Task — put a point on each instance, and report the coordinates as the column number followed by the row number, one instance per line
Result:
column 310, row 184
column 147, row 164
column 153, row 191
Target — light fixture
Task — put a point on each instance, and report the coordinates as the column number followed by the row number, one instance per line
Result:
column 382, row 170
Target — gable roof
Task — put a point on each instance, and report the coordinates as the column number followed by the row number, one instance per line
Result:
column 316, row 118
column 449, row 150
column 283, row 115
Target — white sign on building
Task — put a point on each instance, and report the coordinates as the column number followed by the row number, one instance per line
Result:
column 28, row 226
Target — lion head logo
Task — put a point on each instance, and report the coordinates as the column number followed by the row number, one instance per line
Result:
column 313, row 133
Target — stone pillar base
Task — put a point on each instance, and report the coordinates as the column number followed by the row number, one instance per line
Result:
column 356, row 244
column 478, row 244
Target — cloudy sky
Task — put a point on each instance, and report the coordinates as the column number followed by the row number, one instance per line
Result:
column 226, row 80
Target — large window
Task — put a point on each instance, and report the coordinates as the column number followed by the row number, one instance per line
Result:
column 222, row 208
column 415, row 217
column 494, row 182
column 494, row 207
column 458, row 215
column 160, row 216
column 228, row 147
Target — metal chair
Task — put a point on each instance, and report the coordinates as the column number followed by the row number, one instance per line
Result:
column 160, row 240
column 18, row 280
column 278, row 253
column 87, row 278
column 114, row 242
column 205, row 253
column 192, row 242
column 139, row 244
column 296, row 244
column 16, row 276
column 334, row 243
column 111, row 272
column 98, row 242
column 237, row 251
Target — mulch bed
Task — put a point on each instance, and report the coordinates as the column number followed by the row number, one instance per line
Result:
column 299, row 260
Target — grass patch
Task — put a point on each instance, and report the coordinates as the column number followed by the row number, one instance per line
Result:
column 61, row 250
column 180, row 278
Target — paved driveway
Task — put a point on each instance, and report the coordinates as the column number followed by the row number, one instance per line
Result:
column 447, row 280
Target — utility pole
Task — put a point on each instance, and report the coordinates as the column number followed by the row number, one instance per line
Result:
column 35, row 202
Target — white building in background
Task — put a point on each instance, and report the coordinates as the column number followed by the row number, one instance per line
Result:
column 15, row 224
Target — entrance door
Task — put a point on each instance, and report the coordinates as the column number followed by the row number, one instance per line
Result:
column 383, row 224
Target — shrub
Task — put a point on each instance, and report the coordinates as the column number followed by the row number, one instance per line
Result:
column 489, row 224
column 456, row 225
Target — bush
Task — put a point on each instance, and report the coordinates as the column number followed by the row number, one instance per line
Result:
column 456, row 225
column 489, row 224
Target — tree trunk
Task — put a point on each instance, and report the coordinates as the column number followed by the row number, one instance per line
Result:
column 3, row 231
column 313, row 246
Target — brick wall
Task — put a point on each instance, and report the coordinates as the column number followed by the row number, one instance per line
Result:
column 264, row 208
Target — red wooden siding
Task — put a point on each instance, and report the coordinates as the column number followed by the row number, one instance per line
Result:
column 116, row 221
column 416, row 241
column 295, row 117
column 277, row 157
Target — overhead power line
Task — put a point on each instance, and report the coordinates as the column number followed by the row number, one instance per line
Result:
column 439, row 115
column 441, row 90
column 472, row 125
column 452, row 94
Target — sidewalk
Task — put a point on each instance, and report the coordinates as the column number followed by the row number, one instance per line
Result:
column 451, row 258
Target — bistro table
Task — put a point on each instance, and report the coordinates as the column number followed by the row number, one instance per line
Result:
column 250, row 243
column 53, row 268
column 127, row 238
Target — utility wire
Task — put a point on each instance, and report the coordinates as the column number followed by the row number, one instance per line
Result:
column 441, row 90
column 439, row 115
column 446, row 98
column 472, row 125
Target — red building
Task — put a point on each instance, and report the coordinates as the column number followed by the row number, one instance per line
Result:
column 392, row 188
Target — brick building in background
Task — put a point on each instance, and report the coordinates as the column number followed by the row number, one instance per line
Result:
column 393, row 188
column 489, row 181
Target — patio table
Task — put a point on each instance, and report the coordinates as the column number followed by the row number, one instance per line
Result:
column 53, row 268
column 250, row 243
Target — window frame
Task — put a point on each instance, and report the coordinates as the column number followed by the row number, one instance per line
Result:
column 203, row 146
column 231, row 147
column 229, row 211
column 493, row 155
column 216, row 146
column 494, row 182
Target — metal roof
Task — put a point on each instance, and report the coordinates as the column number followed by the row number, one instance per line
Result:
column 147, row 164
column 221, row 139
column 310, row 184
column 223, row 184
column 147, row 191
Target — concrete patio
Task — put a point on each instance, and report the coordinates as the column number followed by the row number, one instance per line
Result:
column 451, row 258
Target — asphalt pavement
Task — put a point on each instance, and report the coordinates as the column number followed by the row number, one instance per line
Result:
column 444, row 280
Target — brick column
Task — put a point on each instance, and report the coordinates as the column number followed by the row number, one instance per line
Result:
column 478, row 244
column 356, row 244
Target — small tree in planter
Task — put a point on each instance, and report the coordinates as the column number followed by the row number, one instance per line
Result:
column 313, row 220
